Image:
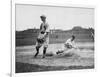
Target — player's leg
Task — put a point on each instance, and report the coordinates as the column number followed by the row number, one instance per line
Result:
column 45, row 45
column 59, row 51
column 44, row 52
column 37, row 51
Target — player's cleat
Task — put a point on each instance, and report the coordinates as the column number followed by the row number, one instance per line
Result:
column 59, row 52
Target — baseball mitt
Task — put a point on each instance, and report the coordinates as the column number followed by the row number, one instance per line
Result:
column 41, row 38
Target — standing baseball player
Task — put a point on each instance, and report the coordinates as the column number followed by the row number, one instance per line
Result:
column 43, row 37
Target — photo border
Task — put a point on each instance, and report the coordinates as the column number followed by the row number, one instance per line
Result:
column 13, row 26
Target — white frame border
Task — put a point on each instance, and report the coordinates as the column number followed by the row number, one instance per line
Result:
column 30, row 2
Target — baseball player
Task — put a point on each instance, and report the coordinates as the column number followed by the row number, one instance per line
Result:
column 69, row 44
column 43, row 37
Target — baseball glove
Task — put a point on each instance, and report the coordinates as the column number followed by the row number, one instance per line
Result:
column 41, row 38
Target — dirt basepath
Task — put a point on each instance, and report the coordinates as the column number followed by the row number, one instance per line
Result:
column 82, row 58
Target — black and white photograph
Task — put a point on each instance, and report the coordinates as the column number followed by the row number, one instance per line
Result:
column 53, row 38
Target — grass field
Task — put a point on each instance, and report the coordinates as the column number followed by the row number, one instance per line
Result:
column 83, row 58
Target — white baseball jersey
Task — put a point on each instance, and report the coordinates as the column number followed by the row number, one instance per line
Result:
column 44, row 27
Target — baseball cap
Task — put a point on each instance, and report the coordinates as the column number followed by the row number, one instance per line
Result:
column 43, row 16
